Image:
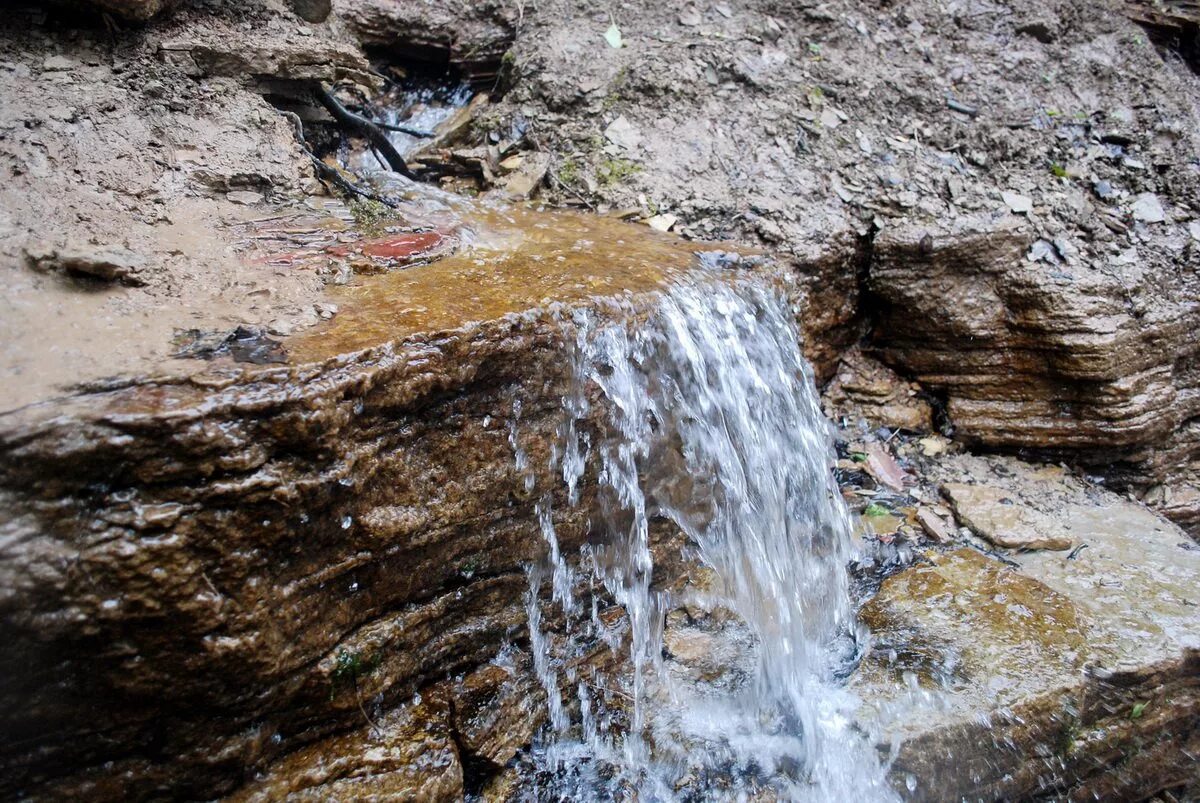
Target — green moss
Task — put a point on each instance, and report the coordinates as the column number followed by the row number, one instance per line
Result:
column 348, row 667
column 1058, row 170
column 471, row 566
column 618, row 90
column 371, row 217
column 568, row 172
column 616, row 170
column 875, row 509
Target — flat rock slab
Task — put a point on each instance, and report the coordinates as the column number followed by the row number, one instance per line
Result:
column 992, row 514
column 1047, row 673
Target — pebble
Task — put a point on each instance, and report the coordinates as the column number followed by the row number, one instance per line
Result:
column 59, row 63
column 1019, row 204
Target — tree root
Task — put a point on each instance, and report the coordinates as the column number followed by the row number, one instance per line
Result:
column 329, row 175
column 367, row 128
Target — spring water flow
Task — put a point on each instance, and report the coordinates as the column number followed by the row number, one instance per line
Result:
column 710, row 425
column 714, row 425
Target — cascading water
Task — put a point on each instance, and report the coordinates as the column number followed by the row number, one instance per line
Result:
column 708, row 424
column 712, row 423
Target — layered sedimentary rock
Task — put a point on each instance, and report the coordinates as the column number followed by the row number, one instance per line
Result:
column 225, row 565
column 218, row 575
column 1086, row 361
column 472, row 36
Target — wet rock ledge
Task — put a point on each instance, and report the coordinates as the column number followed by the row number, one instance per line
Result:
column 202, row 574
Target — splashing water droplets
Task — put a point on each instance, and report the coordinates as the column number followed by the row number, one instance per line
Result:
column 714, row 426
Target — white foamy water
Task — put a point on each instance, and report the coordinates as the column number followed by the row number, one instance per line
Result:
column 712, row 422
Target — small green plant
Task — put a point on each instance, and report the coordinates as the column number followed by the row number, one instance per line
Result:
column 1137, row 711
column 1059, row 170
column 616, row 170
column 568, row 172
column 347, row 666
column 470, row 567
column 371, row 217
column 875, row 510
column 858, row 457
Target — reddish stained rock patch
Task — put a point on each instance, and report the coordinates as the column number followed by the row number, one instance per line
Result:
column 402, row 246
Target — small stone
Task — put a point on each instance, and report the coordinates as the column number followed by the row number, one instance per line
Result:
column 621, row 133
column 108, row 264
column 933, row 445
column 325, row 310
column 864, row 143
column 1148, row 209
column 935, row 526
column 1104, row 190
column 830, row 118
column 244, row 197
column 690, row 17
column 281, row 327
column 1194, row 229
column 662, row 222
column 1017, row 203
column 994, row 515
column 1043, row 251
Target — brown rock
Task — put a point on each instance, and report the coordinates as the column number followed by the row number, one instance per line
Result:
column 866, row 388
column 118, row 265
column 935, row 526
column 234, row 553
column 407, row 754
column 469, row 35
column 1063, row 660
column 497, row 710
column 995, row 515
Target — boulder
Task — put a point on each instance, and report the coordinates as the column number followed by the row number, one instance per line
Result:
column 228, row 565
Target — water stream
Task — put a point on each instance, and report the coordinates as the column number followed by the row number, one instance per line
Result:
column 710, row 429
column 714, row 426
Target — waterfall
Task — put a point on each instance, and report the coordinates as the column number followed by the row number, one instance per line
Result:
column 710, row 421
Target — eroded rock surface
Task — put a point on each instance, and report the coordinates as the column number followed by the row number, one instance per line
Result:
column 229, row 564
column 1060, row 674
